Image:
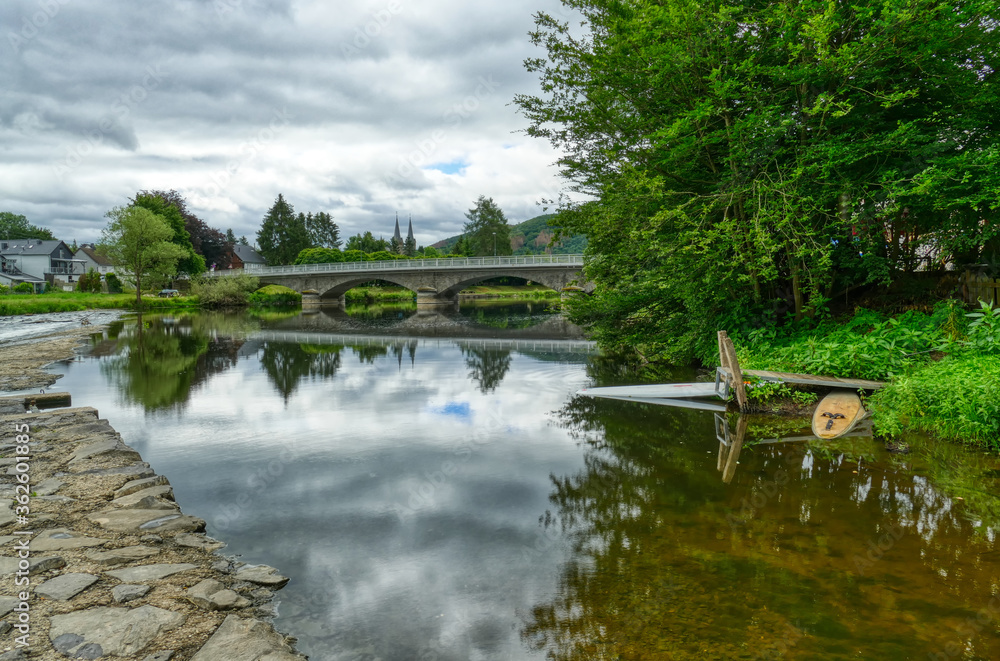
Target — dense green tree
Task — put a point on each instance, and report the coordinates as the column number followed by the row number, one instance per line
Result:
column 366, row 243
column 487, row 231
column 282, row 235
column 210, row 243
column 170, row 206
column 319, row 256
column 16, row 226
column 231, row 237
column 765, row 156
column 137, row 241
column 89, row 282
column 323, row 232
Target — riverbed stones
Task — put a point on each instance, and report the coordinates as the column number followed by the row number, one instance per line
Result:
column 135, row 471
column 110, row 631
column 60, row 539
column 198, row 541
column 35, row 565
column 153, row 498
column 165, row 655
column 7, row 604
column 150, row 572
column 129, row 520
column 139, row 485
column 48, row 487
column 262, row 575
column 213, row 595
column 246, row 640
column 118, row 556
column 65, row 586
column 111, row 448
column 128, row 592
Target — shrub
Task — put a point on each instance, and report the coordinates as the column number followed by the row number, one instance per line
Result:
column 319, row 256
column 89, row 282
column 353, row 256
column 114, row 283
column 225, row 291
column 24, row 288
column 4, row 289
column 274, row 295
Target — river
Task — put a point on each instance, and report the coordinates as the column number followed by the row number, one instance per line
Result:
column 436, row 490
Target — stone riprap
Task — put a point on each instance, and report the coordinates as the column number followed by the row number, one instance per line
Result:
column 116, row 569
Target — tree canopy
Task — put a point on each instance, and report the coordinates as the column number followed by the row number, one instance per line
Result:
column 171, row 207
column 16, row 226
column 283, row 234
column 138, row 242
column 765, row 156
column 487, row 231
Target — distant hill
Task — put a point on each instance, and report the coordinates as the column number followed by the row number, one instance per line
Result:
column 530, row 238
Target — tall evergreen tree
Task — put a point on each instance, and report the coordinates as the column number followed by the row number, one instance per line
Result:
column 323, row 232
column 487, row 231
column 282, row 235
column 16, row 226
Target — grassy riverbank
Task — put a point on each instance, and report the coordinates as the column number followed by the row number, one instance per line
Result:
column 942, row 366
column 14, row 304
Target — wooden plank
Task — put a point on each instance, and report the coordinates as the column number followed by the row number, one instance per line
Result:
column 699, row 389
column 814, row 380
column 697, row 404
column 733, row 365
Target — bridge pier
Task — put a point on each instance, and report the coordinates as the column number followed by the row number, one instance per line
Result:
column 312, row 300
column 430, row 297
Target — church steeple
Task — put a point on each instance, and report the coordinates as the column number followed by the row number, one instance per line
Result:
column 397, row 236
column 409, row 234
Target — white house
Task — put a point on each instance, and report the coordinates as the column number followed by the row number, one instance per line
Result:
column 93, row 260
column 38, row 262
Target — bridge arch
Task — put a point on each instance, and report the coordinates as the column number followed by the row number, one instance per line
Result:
column 554, row 281
column 341, row 288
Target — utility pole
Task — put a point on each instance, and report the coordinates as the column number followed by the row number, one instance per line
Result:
column 494, row 244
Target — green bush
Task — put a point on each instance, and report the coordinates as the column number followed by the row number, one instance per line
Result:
column 89, row 282
column 273, row 295
column 319, row 256
column 382, row 255
column 225, row 291
column 353, row 256
column 24, row 288
column 956, row 398
column 4, row 289
column 114, row 283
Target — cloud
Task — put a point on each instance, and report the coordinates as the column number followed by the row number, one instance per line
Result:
column 361, row 109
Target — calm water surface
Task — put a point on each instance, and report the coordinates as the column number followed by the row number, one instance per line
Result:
column 435, row 490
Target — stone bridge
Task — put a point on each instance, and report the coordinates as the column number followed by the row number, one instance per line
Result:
column 434, row 281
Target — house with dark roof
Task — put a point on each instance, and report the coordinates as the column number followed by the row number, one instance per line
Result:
column 245, row 257
column 94, row 260
column 38, row 262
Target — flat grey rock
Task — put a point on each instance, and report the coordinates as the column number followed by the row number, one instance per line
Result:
column 7, row 604
column 59, row 539
column 55, row 499
column 262, row 575
column 151, row 539
column 246, row 640
column 49, row 486
column 138, row 485
column 108, row 448
column 65, row 586
column 213, row 595
column 13, row 655
column 198, row 541
column 5, row 626
column 118, row 556
column 135, row 471
column 35, row 565
column 150, row 572
column 128, row 520
column 6, row 539
column 110, row 631
column 125, row 593
column 158, row 496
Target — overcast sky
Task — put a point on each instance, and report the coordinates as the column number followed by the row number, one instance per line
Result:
column 362, row 109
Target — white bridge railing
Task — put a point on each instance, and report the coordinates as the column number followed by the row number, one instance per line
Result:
column 457, row 263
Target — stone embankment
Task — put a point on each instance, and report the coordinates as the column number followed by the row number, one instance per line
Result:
column 109, row 565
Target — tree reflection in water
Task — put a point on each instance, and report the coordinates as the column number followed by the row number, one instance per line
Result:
column 487, row 367
column 800, row 557
column 287, row 365
column 156, row 360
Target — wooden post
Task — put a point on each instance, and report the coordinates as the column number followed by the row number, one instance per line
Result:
column 732, row 363
column 735, row 445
